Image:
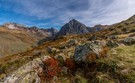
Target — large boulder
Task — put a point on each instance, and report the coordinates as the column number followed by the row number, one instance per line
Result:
column 27, row 73
column 82, row 51
column 129, row 40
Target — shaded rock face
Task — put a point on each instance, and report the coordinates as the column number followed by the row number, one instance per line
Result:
column 73, row 27
column 53, row 31
column 129, row 41
column 91, row 47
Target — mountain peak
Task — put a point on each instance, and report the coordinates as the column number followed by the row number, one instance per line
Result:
column 73, row 27
column 74, row 21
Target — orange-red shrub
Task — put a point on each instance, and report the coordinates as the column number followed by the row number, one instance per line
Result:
column 51, row 68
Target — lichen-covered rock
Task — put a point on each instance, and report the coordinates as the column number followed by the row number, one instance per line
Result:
column 72, row 42
column 53, row 50
column 91, row 47
column 129, row 41
column 27, row 73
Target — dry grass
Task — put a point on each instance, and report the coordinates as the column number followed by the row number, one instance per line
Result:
column 120, row 64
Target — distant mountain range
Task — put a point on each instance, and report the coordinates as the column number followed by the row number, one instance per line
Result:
column 22, row 37
column 35, row 30
column 74, row 27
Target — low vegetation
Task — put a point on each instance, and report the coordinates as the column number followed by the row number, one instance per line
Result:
column 114, row 64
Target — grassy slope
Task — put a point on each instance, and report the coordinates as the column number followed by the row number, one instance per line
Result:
column 15, row 41
column 119, row 66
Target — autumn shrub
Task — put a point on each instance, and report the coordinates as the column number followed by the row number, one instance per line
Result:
column 104, row 52
column 70, row 63
column 91, row 57
column 51, row 68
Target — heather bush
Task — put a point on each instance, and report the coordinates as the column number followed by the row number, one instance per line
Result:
column 48, row 70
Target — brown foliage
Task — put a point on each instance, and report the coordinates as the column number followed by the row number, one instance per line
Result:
column 104, row 52
column 70, row 63
column 91, row 57
column 52, row 68
column 48, row 70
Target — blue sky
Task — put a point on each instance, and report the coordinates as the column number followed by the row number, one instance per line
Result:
column 55, row 13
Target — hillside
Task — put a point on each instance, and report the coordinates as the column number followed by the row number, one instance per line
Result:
column 105, row 56
column 15, row 38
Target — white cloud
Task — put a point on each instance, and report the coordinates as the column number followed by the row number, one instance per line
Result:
column 90, row 12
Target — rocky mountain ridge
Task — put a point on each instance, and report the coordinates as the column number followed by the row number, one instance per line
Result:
column 34, row 29
column 76, row 27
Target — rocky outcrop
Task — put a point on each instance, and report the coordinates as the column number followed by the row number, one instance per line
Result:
column 82, row 51
column 27, row 73
column 129, row 41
